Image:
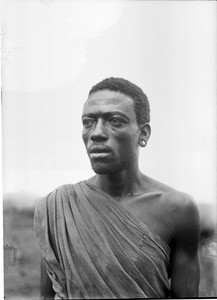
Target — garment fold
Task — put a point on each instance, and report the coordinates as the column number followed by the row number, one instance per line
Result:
column 94, row 248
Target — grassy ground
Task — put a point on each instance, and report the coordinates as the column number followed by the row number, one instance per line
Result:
column 22, row 257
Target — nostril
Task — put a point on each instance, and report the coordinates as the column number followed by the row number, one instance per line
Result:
column 98, row 137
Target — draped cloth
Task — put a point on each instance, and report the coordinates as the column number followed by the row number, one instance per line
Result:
column 94, row 248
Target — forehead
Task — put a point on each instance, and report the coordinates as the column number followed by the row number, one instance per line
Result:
column 108, row 101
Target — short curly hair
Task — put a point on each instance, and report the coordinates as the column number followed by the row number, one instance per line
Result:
column 141, row 103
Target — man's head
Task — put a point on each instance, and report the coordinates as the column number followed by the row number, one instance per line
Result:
column 140, row 100
column 115, row 123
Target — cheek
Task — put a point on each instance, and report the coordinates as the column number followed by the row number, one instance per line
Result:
column 85, row 137
column 127, row 142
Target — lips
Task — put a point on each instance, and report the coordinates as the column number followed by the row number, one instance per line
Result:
column 99, row 151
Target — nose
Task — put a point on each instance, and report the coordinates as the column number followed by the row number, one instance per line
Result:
column 98, row 133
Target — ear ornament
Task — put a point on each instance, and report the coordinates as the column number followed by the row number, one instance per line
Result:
column 143, row 143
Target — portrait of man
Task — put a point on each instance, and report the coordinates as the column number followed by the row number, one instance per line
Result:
column 119, row 233
column 109, row 149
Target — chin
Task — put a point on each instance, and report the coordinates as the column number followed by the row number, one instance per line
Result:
column 108, row 168
column 101, row 169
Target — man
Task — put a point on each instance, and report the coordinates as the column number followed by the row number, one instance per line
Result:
column 119, row 234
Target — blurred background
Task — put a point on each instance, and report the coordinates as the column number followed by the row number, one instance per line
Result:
column 53, row 51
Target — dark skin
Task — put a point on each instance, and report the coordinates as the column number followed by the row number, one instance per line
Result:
column 109, row 120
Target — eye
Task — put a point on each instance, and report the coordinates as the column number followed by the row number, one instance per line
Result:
column 116, row 121
column 88, row 122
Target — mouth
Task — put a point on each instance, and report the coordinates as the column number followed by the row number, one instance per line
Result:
column 99, row 151
column 99, row 155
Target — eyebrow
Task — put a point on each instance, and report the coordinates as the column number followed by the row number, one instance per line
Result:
column 106, row 114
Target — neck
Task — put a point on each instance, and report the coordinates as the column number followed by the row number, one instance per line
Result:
column 120, row 184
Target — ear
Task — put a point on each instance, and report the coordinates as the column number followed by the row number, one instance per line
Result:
column 145, row 134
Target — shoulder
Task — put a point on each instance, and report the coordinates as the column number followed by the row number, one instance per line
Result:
column 171, row 196
column 186, row 221
column 52, row 206
column 54, row 197
column 184, row 218
column 180, row 210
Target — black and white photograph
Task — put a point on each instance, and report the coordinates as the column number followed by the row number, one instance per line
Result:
column 109, row 149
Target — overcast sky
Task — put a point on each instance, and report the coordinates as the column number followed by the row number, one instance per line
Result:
column 54, row 51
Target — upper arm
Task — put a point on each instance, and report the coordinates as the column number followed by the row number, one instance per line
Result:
column 46, row 290
column 185, row 269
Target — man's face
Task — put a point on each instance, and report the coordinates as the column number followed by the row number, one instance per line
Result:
column 110, row 131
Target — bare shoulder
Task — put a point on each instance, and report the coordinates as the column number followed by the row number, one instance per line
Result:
column 180, row 211
column 171, row 197
column 185, row 218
